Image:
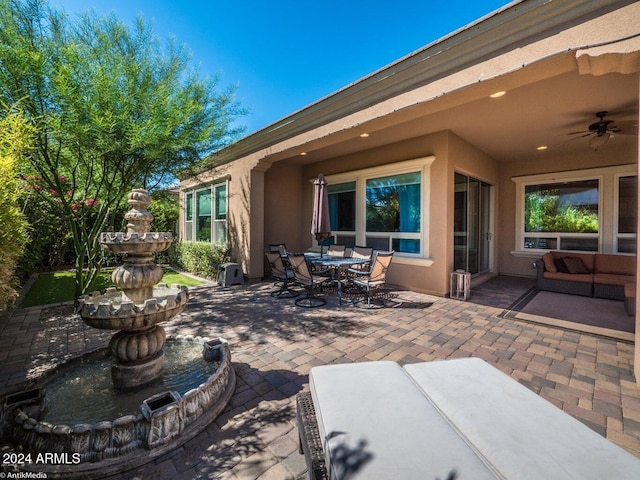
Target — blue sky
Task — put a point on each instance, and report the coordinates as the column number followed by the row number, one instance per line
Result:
column 284, row 55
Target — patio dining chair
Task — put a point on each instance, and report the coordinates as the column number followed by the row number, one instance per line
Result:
column 282, row 275
column 336, row 250
column 278, row 247
column 372, row 280
column 359, row 252
column 310, row 282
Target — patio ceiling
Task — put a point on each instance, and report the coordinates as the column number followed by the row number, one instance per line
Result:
column 509, row 128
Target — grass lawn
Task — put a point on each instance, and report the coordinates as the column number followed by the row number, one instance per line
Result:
column 59, row 287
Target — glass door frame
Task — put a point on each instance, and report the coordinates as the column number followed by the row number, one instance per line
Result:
column 464, row 227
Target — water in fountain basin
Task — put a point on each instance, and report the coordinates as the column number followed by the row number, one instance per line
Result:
column 85, row 394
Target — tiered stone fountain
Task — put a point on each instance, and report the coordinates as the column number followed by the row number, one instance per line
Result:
column 163, row 420
column 138, row 308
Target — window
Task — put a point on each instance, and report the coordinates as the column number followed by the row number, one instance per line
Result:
column 206, row 217
column 203, row 213
column 562, row 216
column 188, row 207
column 393, row 212
column 382, row 207
column 342, row 206
column 627, row 214
column 592, row 210
column 221, row 212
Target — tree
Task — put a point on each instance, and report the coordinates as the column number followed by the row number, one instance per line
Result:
column 15, row 139
column 113, row 110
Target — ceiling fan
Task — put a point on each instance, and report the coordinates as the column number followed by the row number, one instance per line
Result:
column 601, row 131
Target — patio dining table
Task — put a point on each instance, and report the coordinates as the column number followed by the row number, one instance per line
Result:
column 336, row 264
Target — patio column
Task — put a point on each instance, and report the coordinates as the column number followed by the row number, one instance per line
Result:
column 255, row 264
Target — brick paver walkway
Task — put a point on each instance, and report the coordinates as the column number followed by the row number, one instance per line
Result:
column 274, row 344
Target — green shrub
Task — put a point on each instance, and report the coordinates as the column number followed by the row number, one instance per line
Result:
column 202, row 258
column 15, row 139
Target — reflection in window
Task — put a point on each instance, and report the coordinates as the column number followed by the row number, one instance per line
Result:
column 562, row 215
column 342, row 206
column 205, row 219
column 188, row 200
column 203, row 213
column 221, row 213
column 393, row 206
column 627, row 214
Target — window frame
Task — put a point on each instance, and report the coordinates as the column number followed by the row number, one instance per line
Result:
column 190, row 225
column 616, row 217
column 607, row 207
column 360, row 177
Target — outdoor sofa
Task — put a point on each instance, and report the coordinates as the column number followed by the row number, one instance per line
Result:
column 589, row 274
column 458, row 418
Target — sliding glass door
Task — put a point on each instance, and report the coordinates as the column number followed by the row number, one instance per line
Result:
column 472, row 225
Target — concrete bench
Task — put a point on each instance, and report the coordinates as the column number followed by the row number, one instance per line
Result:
column 437, row 420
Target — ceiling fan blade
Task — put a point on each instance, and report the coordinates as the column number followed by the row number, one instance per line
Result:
column 581, row 133
column 625, row 127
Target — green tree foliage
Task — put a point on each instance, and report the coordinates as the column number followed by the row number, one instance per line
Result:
column 113, row 110
column 165, row 209
column 545, row 213
column 15, row 140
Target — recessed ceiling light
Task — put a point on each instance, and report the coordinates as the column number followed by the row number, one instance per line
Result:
column 302, row 154
column 498, row 94
column 364, row 135
column 542, row 147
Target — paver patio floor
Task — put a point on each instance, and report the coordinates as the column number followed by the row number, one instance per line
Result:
column 274, row 344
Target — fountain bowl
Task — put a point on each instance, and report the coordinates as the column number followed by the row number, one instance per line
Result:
column 163, row 422
column 113, row 310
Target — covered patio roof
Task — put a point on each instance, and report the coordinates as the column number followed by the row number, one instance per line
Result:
column 553, row 88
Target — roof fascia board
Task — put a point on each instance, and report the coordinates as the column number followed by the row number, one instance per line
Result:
column 500, row 31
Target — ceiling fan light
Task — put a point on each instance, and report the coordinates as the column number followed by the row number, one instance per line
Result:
column 599, row 140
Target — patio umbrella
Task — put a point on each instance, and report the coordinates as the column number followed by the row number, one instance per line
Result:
column 320, row 222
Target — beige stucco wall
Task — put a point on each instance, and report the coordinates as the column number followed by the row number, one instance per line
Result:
column 245, row 200
column 283, row 211
column 288, row 201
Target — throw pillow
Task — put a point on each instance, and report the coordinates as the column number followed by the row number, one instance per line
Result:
column 575, row 265
column 549, row 266
column 560, row 265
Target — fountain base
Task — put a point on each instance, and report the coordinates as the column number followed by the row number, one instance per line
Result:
column 127, row 376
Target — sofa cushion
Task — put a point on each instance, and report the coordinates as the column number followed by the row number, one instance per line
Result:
column 613, row 279
column 575, row 265
column 549, row 264
column 617, row 264
column 570, row 277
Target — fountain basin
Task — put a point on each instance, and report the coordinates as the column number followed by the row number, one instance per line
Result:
column 160, row 423
column 113, row 310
